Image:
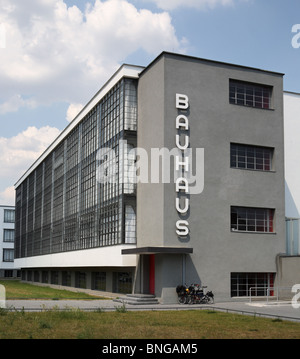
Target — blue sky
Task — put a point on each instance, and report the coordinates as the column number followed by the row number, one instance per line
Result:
column 58, row 53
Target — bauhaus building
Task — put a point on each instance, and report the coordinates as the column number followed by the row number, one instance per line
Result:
column 171, row 174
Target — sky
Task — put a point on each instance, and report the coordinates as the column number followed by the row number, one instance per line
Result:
column 56, row 54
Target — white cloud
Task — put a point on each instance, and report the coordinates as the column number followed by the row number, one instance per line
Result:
column 55, row 53
column 20, row 151
column 73, row 111
column 7, row 197
column 14, row 103
column 197, row 4
column 59, row 53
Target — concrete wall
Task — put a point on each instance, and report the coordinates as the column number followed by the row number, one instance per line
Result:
column 292, row 153
column 96, row 257
column 289, row 271
column 214, row 124
column 150, row 197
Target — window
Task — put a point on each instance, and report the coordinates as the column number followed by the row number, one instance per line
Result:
column 99, row 281
column 130, row 224
column 252, row 219
column 8, row 255
column 8, row 273
column 80, row 280
column 254, row 284
column 54, row 277
column 9, row 215
column 66, row 278
column 44, row 276
column 8, row 235
column 36, row 276
column 248, row 94
column 122, row 282
column 251, row 157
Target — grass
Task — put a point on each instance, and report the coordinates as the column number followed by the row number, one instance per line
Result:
column 18, row 290
column 123, row 324
column 77, row 324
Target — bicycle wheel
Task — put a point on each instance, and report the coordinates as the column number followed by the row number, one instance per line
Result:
column 211, row 300
column 204, row 299
column 189, row 300
column 181, row 299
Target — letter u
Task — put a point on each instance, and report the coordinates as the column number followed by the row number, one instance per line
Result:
column 186, row 145
column 186, row 205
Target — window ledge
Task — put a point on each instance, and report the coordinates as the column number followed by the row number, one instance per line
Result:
column 252, row 170
column 253, row 107
column 252, row 232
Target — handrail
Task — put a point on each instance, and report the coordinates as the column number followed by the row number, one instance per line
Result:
column 268, row 291
column 259, row 287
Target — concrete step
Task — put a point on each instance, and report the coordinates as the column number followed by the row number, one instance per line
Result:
column 137, row 299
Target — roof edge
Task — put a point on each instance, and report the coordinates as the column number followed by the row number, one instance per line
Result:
column 173, row 54
column 125, row 70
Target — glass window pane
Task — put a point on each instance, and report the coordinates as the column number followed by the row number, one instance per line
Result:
column 247, row 94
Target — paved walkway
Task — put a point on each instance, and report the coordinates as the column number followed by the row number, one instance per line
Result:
column 281, row 310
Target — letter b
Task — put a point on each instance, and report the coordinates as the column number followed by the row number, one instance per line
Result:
column 182, row 101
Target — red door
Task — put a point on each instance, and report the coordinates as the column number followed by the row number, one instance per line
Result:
column 152, row 274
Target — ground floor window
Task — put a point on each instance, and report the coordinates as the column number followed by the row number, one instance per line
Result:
column 66, row 278
column 8, row 273
column 99, row 281
column 36, row 276
column 80, row 280
column 123, row 282
column 54, row 277
column 258, row 284
column 44, row 276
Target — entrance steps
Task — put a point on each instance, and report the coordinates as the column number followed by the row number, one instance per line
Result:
column 138, row 299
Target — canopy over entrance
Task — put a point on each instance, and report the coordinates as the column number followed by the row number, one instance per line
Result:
column 158, row 250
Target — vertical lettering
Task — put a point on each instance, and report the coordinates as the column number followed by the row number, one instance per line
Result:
column 182, row 228
column 182, row 102
column 182, row 122
column 186, row 205
column 186, row 143
column 184, row 164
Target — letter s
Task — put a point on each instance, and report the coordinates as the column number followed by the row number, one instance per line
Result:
column 295, row 42
column 182, row 228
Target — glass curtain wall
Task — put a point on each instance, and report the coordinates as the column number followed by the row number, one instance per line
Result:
column 61, row 206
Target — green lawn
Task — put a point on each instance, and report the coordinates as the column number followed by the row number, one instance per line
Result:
column 76, row 324
column 18, row 290
column 122, row 324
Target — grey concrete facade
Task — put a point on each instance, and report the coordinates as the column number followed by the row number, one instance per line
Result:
column 214, row 124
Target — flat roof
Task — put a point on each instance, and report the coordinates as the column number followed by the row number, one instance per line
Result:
column 221, row 63
column 128, row 71
column 291, row 93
